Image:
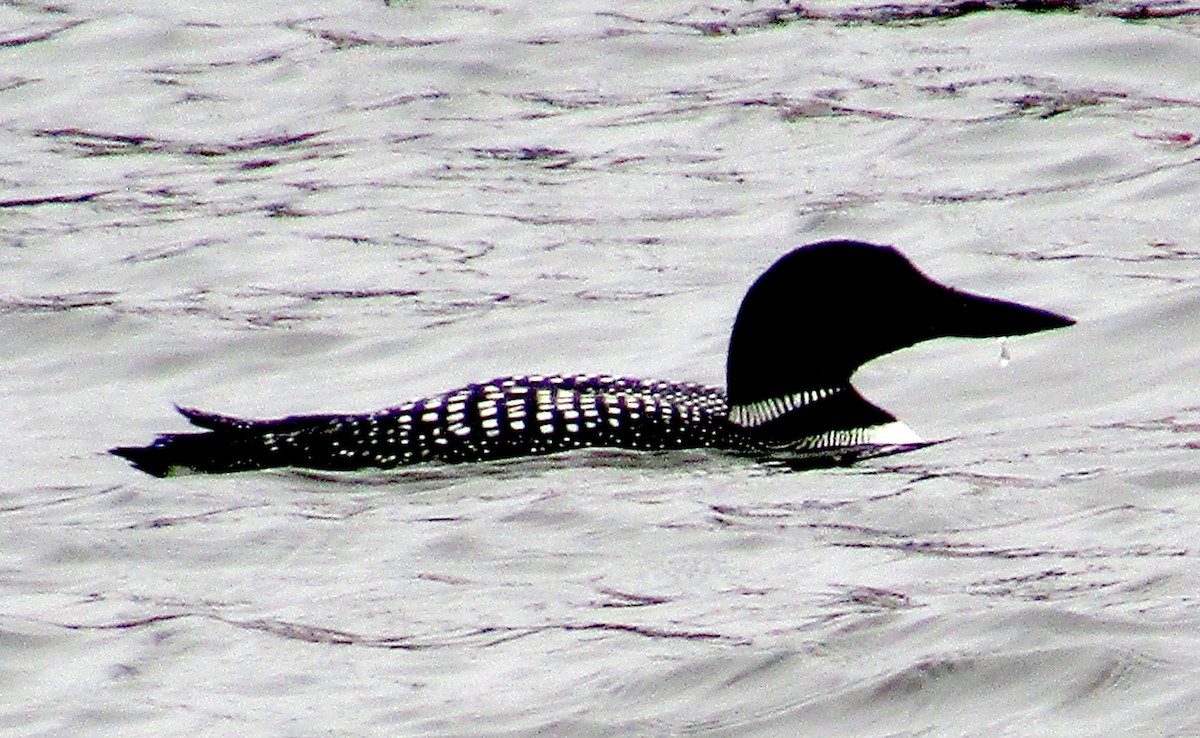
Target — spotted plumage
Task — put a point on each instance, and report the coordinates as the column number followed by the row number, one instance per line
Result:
column 505, row 417
column 838, row 304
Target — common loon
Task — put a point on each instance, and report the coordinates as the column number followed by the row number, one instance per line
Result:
column 806, row 324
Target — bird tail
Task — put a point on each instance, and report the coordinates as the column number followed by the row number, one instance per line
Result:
column 229, row 445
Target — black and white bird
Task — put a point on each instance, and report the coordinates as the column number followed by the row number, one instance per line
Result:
column 804, row 327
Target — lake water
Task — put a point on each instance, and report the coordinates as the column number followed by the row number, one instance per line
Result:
column 329, row 207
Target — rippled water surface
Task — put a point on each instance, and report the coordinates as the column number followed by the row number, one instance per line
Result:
column 302, row 207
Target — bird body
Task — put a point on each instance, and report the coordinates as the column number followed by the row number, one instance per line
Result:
column 804, row 327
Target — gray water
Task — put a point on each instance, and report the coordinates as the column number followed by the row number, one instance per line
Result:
column 268, row 209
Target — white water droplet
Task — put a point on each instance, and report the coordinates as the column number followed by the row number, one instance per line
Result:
column 1005, row 357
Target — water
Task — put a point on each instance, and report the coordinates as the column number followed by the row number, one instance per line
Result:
column 338, row 207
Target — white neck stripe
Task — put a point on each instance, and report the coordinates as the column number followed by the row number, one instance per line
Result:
column 763, row 411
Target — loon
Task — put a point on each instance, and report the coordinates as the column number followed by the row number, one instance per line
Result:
column 804, row 327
